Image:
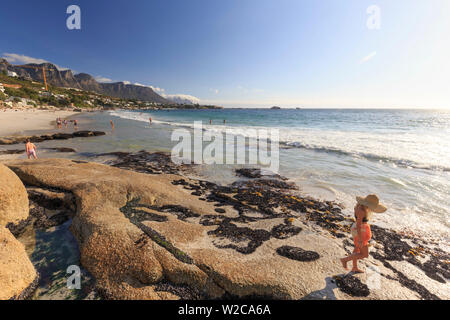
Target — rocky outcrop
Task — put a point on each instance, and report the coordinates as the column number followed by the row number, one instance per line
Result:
column 13, row 198
column 56, row 136
column 148, row 236
column 16, row 151
column 18, row 277
column 145, row 162
column 62, row 149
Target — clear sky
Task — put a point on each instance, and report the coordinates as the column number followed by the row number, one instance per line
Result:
column 247, row 53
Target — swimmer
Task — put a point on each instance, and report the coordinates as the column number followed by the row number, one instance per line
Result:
column 31, row 149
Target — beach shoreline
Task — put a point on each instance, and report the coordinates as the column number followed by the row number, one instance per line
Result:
column 133, row 133
column 17, row 122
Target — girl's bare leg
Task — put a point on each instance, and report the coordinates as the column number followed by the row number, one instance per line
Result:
column 345, row 260
column 344, row 263
column 355, row 266
column 364, row 253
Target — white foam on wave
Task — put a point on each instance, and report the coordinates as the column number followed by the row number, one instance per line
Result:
column 407, row 150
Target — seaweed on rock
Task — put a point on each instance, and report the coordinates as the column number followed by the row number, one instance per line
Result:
column 296, row 253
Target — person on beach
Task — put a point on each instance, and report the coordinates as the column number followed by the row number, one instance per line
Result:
column 150, row 119
column 112, row 125
column 210, row 121
column 361, row 231
column 75, row 124
column 224, row 121
column 31, row 149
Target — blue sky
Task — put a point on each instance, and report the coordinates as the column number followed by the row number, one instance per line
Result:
column 247, row 53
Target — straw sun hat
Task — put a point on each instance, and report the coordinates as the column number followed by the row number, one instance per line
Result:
column 372, row 202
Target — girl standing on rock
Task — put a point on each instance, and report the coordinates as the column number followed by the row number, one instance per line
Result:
column 361, row 229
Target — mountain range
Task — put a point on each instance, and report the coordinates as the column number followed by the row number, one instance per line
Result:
column 83, row 81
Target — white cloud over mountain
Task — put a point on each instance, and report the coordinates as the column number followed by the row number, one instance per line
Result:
column 103, row 79
column 156, row 89
column 177, row 98
column 181, row 98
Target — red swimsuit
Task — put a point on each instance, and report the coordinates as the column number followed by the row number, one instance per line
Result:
column 366, row 234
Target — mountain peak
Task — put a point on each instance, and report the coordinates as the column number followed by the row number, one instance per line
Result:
column 84, row 81
column 83, row 76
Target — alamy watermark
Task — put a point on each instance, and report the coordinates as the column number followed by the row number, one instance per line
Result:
column 74, row 280
column 73, row 22
column 374, row 20
column 229, row 146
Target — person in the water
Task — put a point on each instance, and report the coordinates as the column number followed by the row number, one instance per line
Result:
column 361, row 231
column 31, row 149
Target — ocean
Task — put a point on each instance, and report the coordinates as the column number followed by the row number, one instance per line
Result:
column 332, row 154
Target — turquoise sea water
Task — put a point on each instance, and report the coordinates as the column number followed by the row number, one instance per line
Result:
column 401, row 155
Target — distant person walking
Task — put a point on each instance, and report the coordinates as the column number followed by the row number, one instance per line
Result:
column 112, row 125
column 150, row 119
column 224, row 121
column 31, row 149
column 75, row 124
column 210, row 121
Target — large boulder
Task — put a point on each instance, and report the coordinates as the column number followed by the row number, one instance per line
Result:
column 18, row 277
column 17, row 274
column 13, row 198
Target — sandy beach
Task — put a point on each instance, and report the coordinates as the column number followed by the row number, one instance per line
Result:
column 16, row 122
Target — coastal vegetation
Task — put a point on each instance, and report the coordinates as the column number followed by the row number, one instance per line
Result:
column 21, row 92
